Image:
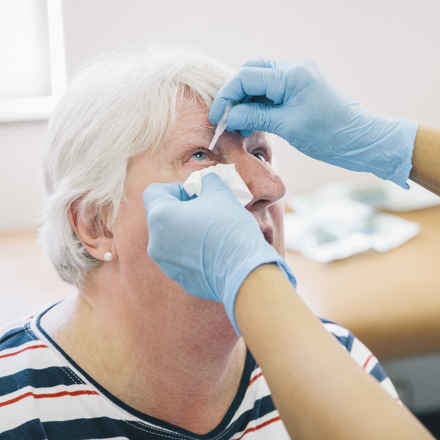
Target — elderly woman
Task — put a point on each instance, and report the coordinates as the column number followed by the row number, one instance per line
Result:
column 132, row 355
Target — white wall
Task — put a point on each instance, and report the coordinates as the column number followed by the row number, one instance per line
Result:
column 384, row 53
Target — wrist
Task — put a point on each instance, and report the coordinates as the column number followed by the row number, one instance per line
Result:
column 243, row 271
column 391, row 145
column 405, row 142
column 385, row 147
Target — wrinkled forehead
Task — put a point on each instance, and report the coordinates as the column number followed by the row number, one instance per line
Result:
column 191, row 121
column 192, row 126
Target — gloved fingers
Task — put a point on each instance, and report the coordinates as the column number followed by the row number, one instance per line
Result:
column 164, row 191
column 249, row 82
column 249, row 117
column 263, row 81
column 258, row 62
column 213, row 183
column 246, row 133
column 217, row 108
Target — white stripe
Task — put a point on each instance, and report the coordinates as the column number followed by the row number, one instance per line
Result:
column 37, row 358
column 371, row 364
column 58, row 408
column 359, row 352
column 336, row 329
column 6, row 326
column 255, row 373
column 61, row 408
column 389, row 388
column 257, row 390
column 43, row 390
column 55, row 408
column 275, row 430
column 20, row 347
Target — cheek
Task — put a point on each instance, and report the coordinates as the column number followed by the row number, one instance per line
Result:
column 131, row 231
column 277, row 214
column 190, row 167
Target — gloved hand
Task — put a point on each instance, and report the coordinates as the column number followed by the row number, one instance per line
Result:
column 208, row 244
column 294, row 101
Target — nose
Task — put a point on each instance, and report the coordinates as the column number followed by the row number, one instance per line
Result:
column 263, row 182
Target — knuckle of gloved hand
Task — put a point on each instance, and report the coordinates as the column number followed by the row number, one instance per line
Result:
column 301, row 75
column 277, row 89
column 157, row 215
column 235, row 88
column 257, row 119
column 249, row 79
column 281, row 129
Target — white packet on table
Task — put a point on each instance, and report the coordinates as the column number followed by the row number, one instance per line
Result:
column 229, row 175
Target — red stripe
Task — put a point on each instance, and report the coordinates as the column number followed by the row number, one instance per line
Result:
column 24, row 349
column 255, row 378
column 267, row 422
column 43, row 396
column 368, row 360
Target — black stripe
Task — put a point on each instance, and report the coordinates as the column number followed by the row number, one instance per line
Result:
column 15, row 337
column 378, row 373
column 349, row 342
column 32, row 430
column 41, row 378
column 261, row 407
column 346, row 341
column 102, row 428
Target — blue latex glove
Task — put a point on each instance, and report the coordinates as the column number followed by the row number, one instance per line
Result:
column 297, row 104
column 208, row 244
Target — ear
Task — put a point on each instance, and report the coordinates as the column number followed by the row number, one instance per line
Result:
column 90, row 228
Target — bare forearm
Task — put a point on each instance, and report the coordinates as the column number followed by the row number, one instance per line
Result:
column 426, row 159
column 318, row 389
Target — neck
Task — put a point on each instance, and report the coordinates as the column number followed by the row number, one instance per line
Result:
column 174, row 357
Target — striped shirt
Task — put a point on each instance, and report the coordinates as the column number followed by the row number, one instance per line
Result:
column 44, row 394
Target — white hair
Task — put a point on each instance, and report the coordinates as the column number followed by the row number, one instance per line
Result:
column 117, row 107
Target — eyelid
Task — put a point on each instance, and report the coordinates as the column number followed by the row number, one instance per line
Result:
column 204, row 150
column 210, row 154
column 264, row 150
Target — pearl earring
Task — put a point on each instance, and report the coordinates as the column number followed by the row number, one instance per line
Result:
column 108, row 256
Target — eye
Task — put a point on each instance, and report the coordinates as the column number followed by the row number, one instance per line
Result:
column 199, row 156
column 260, row 156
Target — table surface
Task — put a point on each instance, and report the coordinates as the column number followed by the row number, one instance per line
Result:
column 391, row 300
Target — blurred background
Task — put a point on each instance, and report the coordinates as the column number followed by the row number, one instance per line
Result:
column 382, row 53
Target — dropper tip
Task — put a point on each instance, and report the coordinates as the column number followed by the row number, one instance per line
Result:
column 221, row 126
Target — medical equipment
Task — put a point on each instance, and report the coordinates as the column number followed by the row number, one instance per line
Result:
column 229, row 175
column 340, row 220
column 221, row 126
